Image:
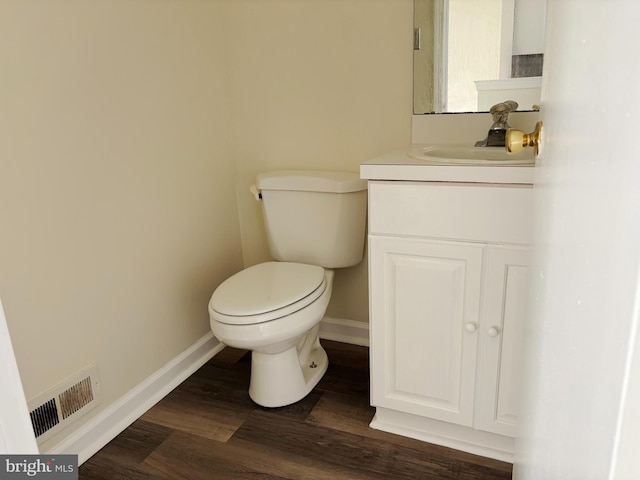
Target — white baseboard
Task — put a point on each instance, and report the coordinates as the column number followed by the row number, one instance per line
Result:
column 344, row 330
column 106, row 425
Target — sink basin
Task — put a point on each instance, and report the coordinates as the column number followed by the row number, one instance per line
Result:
column 465, row 155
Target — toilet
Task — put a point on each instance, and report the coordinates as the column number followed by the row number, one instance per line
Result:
column 315, row 222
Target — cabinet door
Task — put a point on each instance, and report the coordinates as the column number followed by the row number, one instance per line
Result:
column 424, row 299
column 500, row 338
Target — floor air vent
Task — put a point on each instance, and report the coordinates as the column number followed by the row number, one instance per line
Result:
column 76, row 397
column 45, row 417
column 65, row 403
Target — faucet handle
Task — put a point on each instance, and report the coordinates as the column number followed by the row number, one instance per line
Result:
column 512, row 104
column 500, row 110
column 506, row 106
column 500, row 113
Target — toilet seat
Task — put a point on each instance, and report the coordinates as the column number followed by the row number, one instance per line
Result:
column 266, row 291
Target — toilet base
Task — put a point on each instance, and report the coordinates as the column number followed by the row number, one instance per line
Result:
column 284, row 378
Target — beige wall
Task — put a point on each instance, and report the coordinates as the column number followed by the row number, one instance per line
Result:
column 317, row 84
column 118, row 207
column 130, row 131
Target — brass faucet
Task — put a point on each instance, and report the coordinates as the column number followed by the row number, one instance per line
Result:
column 497, row 132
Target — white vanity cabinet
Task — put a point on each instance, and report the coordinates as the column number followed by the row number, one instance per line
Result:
column 448, row 284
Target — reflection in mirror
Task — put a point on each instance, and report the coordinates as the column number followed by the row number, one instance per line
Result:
column 472, row 54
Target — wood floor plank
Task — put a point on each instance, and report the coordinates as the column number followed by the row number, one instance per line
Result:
column 353, row 415
column 184, row 456
column 209, row 421
column 345, row 380
column 377, row 459
column 104, row 469
column 222, row 379
column 230, row 356
column 299, row 410
column 208, row 428
column 344, row 413
column 347, row 355
column 122, row 458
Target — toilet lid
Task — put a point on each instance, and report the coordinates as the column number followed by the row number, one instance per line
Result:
column 245, row 297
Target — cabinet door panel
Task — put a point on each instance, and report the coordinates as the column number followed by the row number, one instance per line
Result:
column 500, row 349
column 423, row 294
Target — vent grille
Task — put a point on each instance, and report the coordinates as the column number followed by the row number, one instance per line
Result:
column 65, row 403
column 45, row 417
column 76, row 397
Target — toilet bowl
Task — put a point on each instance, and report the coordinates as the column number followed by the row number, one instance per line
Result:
column 274, row 309
column 315, row 222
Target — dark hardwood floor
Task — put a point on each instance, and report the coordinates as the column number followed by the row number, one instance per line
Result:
column 208, row 428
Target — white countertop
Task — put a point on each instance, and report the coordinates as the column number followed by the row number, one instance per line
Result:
column 400, row 166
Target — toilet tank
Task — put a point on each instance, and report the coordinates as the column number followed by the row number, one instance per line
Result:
column 315, row 217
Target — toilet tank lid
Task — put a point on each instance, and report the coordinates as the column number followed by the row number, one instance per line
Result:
column 311, row 181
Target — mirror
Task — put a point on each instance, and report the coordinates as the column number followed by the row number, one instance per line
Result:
column 472, row 54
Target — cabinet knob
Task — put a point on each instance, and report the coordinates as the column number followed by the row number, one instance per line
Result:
column 471, row 327
column 493, row 331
